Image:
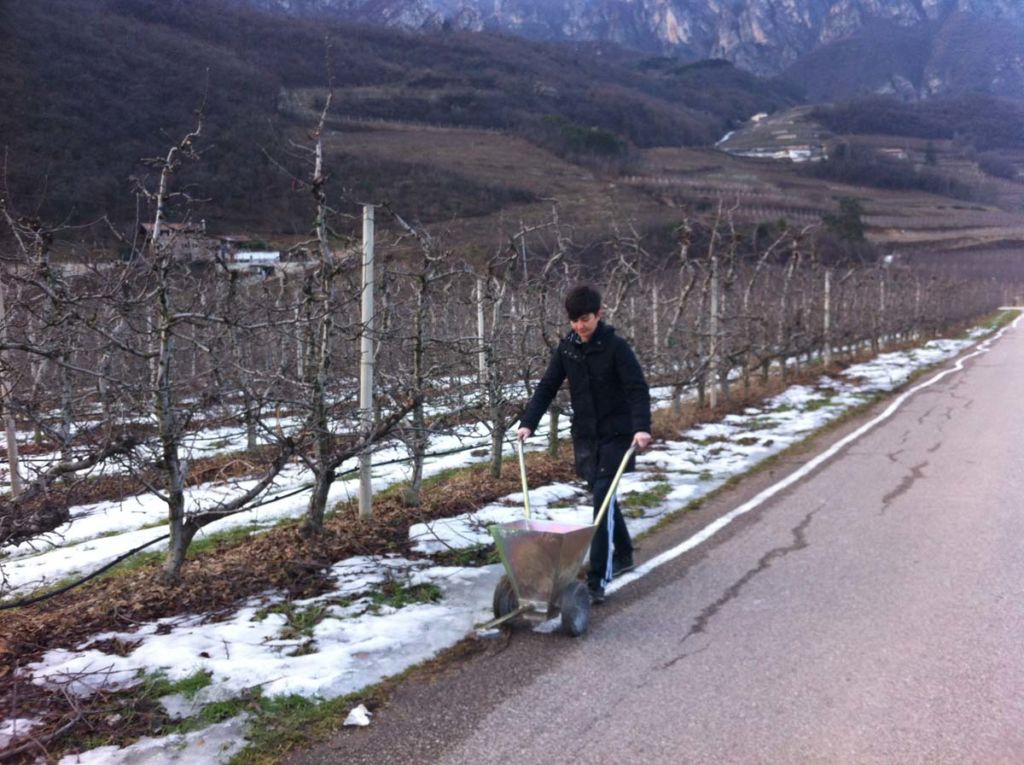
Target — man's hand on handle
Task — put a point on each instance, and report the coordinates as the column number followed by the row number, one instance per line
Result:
column 523, row 433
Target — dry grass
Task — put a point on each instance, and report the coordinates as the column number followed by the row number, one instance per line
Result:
column 587, row 199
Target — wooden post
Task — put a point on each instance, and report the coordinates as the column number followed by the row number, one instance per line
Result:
column 366, row 367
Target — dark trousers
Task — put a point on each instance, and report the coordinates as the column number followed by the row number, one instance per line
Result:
column 611, row 534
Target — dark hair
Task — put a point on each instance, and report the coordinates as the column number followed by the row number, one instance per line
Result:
column 582, row 299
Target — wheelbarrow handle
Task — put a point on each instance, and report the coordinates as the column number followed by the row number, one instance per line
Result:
column 611, row 489
column 522, row 475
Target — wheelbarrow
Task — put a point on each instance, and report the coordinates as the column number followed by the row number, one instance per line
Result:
column 542, row 561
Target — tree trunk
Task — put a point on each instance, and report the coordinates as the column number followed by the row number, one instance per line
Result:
column 418, row 439
column 319, row 307
column 555, row 415
column 251, row 418
column 170, row 443
column 677, row 400
column 319, row 425
column 322, row 481
column 181, row 537
column 496, row 416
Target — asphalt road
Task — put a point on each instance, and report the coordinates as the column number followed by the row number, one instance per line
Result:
column 872, row 612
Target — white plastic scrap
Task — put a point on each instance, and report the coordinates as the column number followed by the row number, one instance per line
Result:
column 359, row 716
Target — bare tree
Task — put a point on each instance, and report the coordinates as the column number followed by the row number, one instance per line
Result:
column 425, row 278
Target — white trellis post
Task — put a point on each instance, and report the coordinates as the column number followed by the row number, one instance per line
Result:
column 366, row 367
column 916, row 329
column 881, row 302
column 5, row 392
column 656, row 332
column 481, row 351
column 827, row 319
column 713, row 352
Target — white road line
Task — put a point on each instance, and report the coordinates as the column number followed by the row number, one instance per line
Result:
column 713, row 528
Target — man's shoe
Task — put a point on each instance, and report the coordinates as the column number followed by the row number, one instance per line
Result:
column 596, row 593
column 620, row 567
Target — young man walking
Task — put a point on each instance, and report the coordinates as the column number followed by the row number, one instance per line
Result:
column 611, row 408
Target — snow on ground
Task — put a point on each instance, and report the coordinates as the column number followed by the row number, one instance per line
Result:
column 358, row 641
column 99, row 533
column 209, row 746
column 14, row 727
column 352, row 637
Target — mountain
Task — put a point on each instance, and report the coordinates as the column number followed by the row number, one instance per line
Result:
column 447, row 125
column 832, row 46
column 962, row 54
column 91, row 88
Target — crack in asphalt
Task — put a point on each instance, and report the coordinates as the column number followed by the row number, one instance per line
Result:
column 965, row 402
column 766, row 560
column 917, row 471
column 894, row 456
column 935, row 448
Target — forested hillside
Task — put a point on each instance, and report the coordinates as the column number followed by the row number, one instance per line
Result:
column 96, row 86
column 962, row 54
column 985, row 122
column 92, row 89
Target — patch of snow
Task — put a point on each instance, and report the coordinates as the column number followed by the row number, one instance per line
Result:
column 15, row 728
column 355, row 643
column 210, row 746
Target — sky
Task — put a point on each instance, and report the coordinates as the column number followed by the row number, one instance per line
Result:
column 355, row 640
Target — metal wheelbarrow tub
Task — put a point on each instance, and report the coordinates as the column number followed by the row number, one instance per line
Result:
column 542, row 560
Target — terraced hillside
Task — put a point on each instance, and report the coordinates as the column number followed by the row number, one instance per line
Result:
column 658, row 187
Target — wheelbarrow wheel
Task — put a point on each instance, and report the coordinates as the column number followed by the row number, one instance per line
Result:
column 505, row 600
column 575, row 607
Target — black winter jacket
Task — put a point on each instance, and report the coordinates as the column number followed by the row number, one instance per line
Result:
column 610, row 399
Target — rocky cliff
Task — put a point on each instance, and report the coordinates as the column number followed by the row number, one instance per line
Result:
column 762, row 36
